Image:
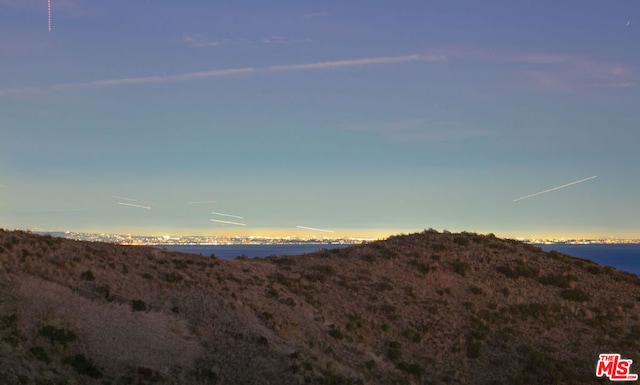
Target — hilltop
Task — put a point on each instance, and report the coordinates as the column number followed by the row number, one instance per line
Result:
column 427, row 308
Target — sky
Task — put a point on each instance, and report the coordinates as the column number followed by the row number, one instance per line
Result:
column 359, row 117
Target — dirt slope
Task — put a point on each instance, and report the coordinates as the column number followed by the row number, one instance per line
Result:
column 428, row 308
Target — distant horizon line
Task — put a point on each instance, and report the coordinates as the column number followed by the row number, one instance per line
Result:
column 358, row 234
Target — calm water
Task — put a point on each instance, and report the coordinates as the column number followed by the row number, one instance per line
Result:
column 233, row 251
column 622, row 257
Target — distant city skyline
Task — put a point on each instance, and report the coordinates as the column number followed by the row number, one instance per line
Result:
column 344, row 118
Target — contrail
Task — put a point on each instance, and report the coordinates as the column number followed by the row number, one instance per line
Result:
column 227, row 222
column 555, row 188
column 226, row 215
column 132, row 205
column 124, row 198
column 200, row 202
column 314, row 229
column 3, row 185
column 49, row 13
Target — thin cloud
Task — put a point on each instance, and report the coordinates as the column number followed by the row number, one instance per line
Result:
column 224, row 73
column 545, row 58
column 354, row 62
column 548, row 71
column 158, row 79
column 197, row 41
column 623, row 85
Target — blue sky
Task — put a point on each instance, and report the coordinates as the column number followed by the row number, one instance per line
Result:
column 375, row 116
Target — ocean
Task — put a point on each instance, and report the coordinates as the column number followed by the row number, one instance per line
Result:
column 251, row 251
column 621, row 256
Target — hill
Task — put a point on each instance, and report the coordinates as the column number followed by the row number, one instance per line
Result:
column 427, row 308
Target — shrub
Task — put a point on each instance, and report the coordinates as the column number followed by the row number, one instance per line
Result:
column 421, row 266
column 412, row 335
column 475, row 290
column 336, row 333
column 393, row 350
column 461, row 267
column 474, row 348
column 56, row 335
column 88, row 276
column 138, row 305
column 413, row 369
column 595, row 270
column 289, row 302
column 83, row 365
column 355, row 322
column 520, row 270
column 575, row 295
column 174, row 277
column 370, row 365
column 460, row 240
column 369, row 258
column 41, row 354
column 142, row 375
column 555, row 280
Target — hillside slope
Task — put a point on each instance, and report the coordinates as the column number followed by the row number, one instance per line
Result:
column 428, row 308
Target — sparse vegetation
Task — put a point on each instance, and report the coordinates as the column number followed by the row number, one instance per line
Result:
column 406, row 310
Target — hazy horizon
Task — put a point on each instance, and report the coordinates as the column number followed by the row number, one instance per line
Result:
column 513, row 118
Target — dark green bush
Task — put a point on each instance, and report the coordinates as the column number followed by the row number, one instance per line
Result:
column 575, row 295
column 174, row 277
column 461, row 267
column 554, row 280
column 393, row 350
column 519, row 270
column 138, row 305
column 88, row 276
column 595, row 270
column 83, row 365
column 336, row 333
column 412, row 335
column 41, row 354
column 413, row 369
column 460, row 240
column 56, row 335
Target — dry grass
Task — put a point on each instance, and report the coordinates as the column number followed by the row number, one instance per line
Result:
column 422, row 308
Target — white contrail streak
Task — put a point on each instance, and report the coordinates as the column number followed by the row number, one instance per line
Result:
column 200, row 202
column 314, row 229
column 555, row 188
column 226, row 215
column 124, row 198
column 49, row 13
column 132, row 205
column 228, row 222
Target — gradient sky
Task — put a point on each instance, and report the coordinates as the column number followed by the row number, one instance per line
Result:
column 369, row 115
